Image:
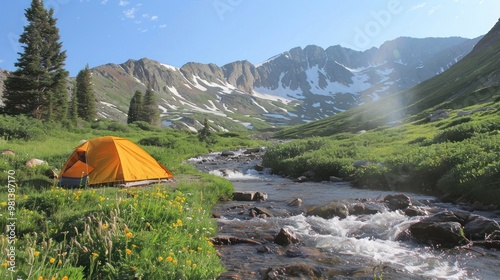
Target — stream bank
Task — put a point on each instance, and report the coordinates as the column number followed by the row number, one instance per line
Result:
column 353, row 246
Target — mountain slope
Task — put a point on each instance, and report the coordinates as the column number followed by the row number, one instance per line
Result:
column 473, row 80
column 294, row 87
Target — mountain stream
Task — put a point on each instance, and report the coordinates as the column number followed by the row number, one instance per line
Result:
column 356, row 247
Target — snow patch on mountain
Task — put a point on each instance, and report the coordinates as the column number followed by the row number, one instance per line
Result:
column 169, row 67
column 258, row 105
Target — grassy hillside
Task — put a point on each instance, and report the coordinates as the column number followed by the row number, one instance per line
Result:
column 156, row 232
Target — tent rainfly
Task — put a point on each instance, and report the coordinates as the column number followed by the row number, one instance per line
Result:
column 112, row 160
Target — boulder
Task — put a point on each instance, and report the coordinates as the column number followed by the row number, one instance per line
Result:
column 243, row 196
column 295, row 202
column 442, row 229
column 438, row 115
column 249, row 196
column 35, row 162
column 301, row 179
column 412, row 211
column 260, row 196
column 51, row 174
column 260, row 212
column 397, row 202
column 258, row 167
column 227, row 153
column 445, row 234
column 329, row 210
column 8, row 153
column 478, row 227
column 285, row 237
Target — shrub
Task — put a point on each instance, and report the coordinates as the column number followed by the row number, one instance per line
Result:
column 110, row 125
column 145, row 126
column 165, row 142
column 22, row 127
column 467, row 130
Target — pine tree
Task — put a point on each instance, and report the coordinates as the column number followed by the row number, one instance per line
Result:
column 85, row 95
column 205, row 134
column 136, row 107
column 151, row 113
column 38, row 86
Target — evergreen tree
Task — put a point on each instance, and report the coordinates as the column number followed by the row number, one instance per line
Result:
column 205, row 134
column 150, row 112
column 136, row 107
column 38, row 85
column 85, row 95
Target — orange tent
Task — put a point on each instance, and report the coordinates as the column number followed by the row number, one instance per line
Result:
column 111, row 159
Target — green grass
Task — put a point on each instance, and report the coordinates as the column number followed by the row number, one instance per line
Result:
column 155, row 232
column 457, row 156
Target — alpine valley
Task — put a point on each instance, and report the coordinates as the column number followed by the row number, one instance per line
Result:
column 294, row 87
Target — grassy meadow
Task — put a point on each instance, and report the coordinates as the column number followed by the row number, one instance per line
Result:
column 156, row 232
column 456, row 157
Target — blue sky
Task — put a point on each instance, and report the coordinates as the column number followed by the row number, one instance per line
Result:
column 97, row 32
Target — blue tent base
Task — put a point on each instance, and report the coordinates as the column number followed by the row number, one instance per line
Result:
column 73, row 182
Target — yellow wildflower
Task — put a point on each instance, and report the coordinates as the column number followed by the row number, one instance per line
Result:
column 174, row 261
column 126, row 230
column 160, row 258
column 169, row 259
column 40, row 278
column 188, row 262
column 194, row 265
column 128, row 251
column 52, row 260
column 104, row 226
column 5, row 264
column 36, row 253
column 129, row 235
column 199, row 248
column 95, row 255
column 65, row 278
